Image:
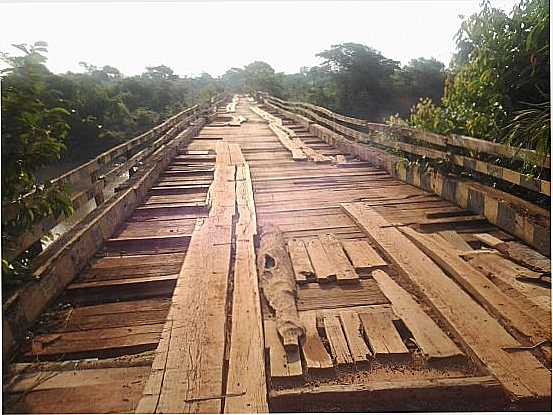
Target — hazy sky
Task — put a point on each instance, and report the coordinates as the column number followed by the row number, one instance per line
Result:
column 193, row 37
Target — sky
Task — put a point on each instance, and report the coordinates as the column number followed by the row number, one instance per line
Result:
column 212, row 36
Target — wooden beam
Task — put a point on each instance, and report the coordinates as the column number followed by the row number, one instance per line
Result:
column 481, row 288
column 432, row 341
column 521, row 374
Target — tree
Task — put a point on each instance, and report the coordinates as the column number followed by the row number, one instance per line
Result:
column 33, row 135
column 260, row 76
column 363, row 78
column 499, row 89
column 159, row 72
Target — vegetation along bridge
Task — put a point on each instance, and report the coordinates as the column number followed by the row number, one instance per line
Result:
column 258, row 255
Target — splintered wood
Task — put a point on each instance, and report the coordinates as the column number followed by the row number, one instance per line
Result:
column 521, row 374
column 187, row 373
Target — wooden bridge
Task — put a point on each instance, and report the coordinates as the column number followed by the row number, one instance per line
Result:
column 273, row 256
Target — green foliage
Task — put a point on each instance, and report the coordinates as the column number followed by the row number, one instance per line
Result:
column 33, row 135
column 51, row 123
column 499, row 89
column 428, row 116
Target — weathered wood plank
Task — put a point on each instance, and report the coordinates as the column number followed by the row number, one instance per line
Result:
column 344, row 271
column 480, row 287
column 314, row 296
column 303, row 270
column 455, row 240
column 432, row 341
column 324, row 270
column 352, row 329
column 521, row 374
column 246, row 384
column 281, row 365
column 382, row 335
column 314, row 353
column 362, row 255
column 337, row 340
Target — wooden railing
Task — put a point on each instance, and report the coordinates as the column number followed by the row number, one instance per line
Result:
column 95, row 179
column 472, row 154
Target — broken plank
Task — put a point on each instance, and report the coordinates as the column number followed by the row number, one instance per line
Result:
column 324, row 270
column 455, row 240
column 337, row 341
column 432, row 341
column 521, row 374
column 480, row 287
column 517, row 252
column 362, row 255
column 352, row 329
column 382, row 335
column 314, row 353
column 344, row 271
column 303, row 270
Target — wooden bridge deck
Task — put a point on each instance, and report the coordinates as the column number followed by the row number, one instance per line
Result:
column 144, row 329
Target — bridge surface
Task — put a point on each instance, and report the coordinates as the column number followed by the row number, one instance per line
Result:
column 399, row 300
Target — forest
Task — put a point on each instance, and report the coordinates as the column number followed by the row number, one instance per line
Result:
column 496, row 87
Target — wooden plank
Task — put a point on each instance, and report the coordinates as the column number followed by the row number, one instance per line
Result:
column 534, row 299
column 519, row 253
column 314, row 296
column 189, row 368
column 480, row 287
column 362, row 255
column 352, row 329
column 335, row 254
column 402, row 393
column 303, row 270
column 112, row 390
column 246, row 384
column 432, row 341
column 337, row 341
column 521, row 374
column 280, row 364
column 313, row 351
column 455, row 240
column 96, row 342
column 382, row 335
column 324, row 270
column 488, row 239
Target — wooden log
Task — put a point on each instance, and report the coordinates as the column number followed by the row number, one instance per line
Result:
column 521, row 374
column 279, row 285
column 283, row 363
column 432, row 341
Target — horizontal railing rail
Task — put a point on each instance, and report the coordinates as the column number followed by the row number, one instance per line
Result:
column 96, row 179
column 468, row 153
